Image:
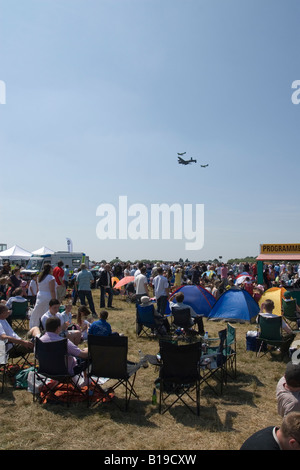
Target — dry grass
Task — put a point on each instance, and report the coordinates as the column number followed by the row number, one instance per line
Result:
column 247, row 404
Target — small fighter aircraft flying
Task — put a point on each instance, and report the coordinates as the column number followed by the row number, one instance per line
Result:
column 181, row 153
column 181, row 161
column 204, row 166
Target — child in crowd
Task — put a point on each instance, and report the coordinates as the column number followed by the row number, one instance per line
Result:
column 82, row 321
column 32, row 289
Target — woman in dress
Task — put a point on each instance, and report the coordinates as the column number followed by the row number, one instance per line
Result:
column 46, row 292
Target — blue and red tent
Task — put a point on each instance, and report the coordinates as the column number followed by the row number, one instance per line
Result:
column 200, row 299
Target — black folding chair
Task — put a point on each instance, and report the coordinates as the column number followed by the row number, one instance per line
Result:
column 51, row 362
column 108, row 359
column 182, row 319
column 19, row 314
column 179, row 377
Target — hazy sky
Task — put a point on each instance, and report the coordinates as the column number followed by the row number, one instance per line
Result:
column 102, row 94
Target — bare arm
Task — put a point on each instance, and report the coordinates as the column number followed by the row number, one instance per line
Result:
column 52, row 289
column 12, row 339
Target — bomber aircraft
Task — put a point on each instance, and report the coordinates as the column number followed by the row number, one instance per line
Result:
column 181, row 161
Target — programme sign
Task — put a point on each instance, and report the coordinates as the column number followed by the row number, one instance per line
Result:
column 286, row 248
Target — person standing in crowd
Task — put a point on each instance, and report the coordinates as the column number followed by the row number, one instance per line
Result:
column 59, row 273
column 66, row 276
column 141, row 284
column 161, row 290
column 105, row 284
column 32, row 289
column 46, row 292
column 83, row 281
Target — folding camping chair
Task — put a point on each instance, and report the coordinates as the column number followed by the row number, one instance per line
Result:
column 213, row 363
column 108, row 359
column 145, row 322
column 51, row 364
column 182, row 319
column 179, row 377
column 289, row 311
column 230, row 352
column 19, row 314
column 271, row 335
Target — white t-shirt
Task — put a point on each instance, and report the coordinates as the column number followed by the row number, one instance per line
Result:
column 32, row 289
column 48, row 315
column 139, row 283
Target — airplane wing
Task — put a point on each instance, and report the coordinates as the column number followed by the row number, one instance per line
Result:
column 181, row 153
column 181, row 160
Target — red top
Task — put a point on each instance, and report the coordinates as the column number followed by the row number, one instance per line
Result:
column 57, row 273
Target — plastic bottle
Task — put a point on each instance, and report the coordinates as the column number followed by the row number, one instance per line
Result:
column 154, row 397
column 205, row 342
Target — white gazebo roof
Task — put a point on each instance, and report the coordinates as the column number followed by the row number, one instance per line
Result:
column 43, row 251
column 15, row 252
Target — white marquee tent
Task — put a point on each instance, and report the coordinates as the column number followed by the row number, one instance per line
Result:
column 15, row 253
column 43, row 251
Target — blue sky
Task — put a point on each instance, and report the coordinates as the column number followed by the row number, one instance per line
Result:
column 102, row 94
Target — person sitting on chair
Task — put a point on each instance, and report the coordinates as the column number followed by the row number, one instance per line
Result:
column 267, row 308
column 288, row 298
column 54, row 306
column 288, row 390
column 17, row 296
column 161, row 323
column 194, row 317
column 53, row 311
column 15, row 346
column 53, row 330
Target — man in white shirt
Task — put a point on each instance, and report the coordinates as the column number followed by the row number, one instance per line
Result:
column 15, row 346
column 141, row 284
column 195, row 318
column 53, row 311
column 161, row 291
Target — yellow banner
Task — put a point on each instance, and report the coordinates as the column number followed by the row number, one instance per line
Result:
column 280, row 249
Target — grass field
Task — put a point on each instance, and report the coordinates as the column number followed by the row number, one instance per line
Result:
column 247, row 404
